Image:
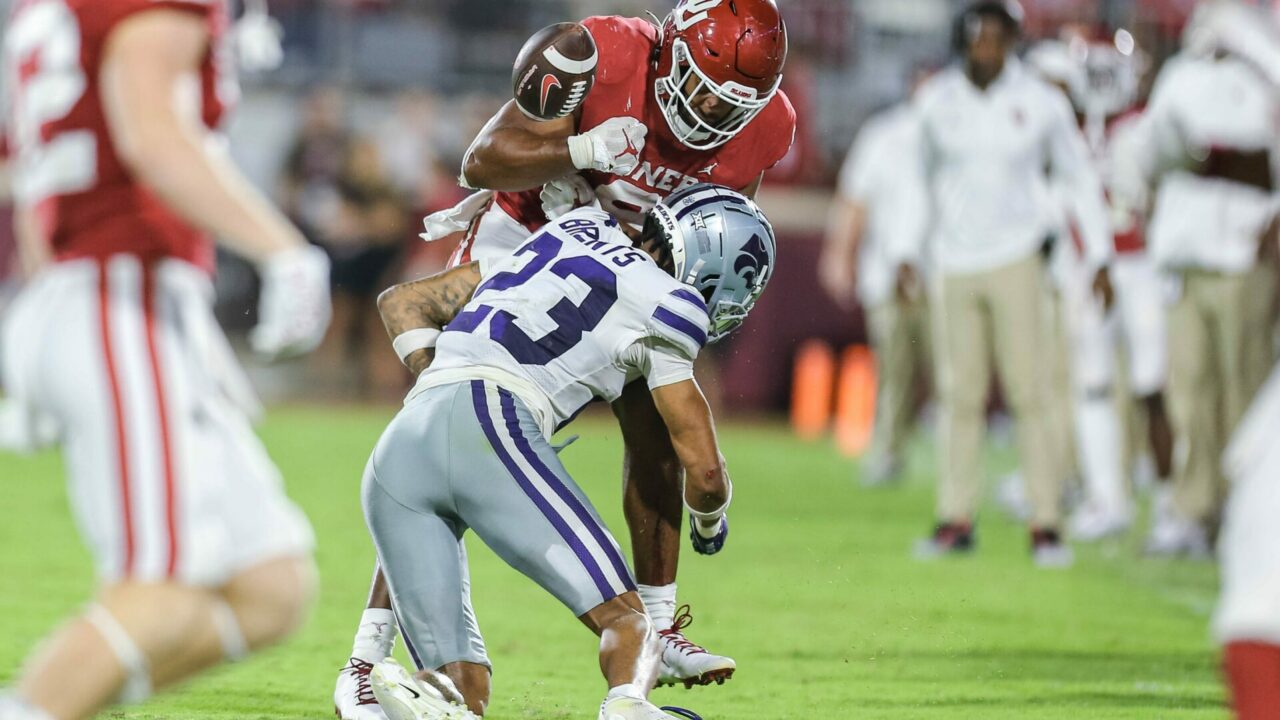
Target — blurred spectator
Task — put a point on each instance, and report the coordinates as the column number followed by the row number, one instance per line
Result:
column 407, row 143
column 871, row 223
column 1206, row 143
column 988, row 130
column 364, row 241
column 315, row 163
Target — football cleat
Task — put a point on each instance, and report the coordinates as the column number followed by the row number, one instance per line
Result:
column 1048, row 550
column 629, row 708
column 353, row 697
column 688, row 664
column 405, row 697
column 947, row 539
column 1091, row 523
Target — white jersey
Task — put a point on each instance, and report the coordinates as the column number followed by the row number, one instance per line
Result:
column 573, row 315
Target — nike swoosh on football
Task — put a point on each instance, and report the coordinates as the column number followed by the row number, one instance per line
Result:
column 416, row 694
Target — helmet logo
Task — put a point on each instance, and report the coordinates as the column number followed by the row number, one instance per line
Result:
column 752, row 260
column 693, row 12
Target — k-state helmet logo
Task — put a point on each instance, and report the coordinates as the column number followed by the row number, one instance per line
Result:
column 752, row 260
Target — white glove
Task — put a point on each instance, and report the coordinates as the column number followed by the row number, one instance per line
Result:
column 613, row 146
column 567, row 193
column 294, row 309
column 444, row 223
column 257, row 37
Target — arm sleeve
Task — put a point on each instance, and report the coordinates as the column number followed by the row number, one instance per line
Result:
column 1148, row 145
column 1073, row 166
column 854, row 182
column 680, row 320
column 909, row 247
column 662, row 363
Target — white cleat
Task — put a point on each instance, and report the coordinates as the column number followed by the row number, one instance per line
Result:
column 1173, row 535
column 688, row 664
column 353, row 696
column 629, row 708
column 1091, row 523
column 405, row 697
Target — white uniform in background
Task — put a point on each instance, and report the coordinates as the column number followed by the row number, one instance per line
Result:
column 877, row 177
column 1136, row 320
column 1208, row 140
column 985, row 153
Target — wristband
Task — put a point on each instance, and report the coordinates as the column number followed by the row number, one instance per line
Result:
column 713, row 517
column 411, row 341
column 581, row 151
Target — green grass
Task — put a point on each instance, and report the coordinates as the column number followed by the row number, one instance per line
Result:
column 816, row 596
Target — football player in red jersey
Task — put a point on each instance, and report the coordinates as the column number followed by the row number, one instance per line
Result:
column 200, row 556
column 695, row 100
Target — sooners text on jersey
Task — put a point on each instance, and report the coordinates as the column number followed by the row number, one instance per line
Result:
column 66, row 168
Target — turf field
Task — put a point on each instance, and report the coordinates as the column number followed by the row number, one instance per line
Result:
column 816, row 596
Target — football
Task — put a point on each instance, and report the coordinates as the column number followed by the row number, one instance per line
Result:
column 554, row 71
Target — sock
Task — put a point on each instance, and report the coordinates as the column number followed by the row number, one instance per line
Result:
column 660, row 602
column 1098, row 439
column 1253, row 674
column 376, row 636
column 630, row 690
column 11, row 708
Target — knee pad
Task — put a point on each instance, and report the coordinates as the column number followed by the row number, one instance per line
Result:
column 137, row 684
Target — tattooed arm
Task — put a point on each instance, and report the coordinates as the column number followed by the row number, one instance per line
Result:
column 427, row 303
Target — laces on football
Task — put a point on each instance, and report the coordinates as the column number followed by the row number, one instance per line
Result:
column 359, row 669
column 674, row 635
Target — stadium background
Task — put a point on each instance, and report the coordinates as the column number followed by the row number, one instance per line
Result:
column 818, row 599
column 394, row 90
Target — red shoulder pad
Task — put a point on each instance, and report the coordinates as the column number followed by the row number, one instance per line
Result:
column 775, row 128
column 625, row 46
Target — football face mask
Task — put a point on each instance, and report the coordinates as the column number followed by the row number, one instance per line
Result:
column 685, row 86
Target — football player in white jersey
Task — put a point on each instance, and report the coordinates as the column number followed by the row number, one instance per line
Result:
column 509, row 351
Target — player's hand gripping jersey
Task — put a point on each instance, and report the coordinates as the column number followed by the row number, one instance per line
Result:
column 87, row 203
column 625, row 86
column 602, row 312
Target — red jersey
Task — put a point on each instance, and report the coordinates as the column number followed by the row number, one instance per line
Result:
column 66, row 167
column 625, row 76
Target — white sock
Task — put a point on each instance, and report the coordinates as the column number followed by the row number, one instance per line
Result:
column 1098, row 437
column 11, row 708
column 660, row 602
column 630, row 690
column 376, row 636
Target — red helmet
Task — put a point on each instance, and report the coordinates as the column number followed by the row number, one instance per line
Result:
column 734, row 49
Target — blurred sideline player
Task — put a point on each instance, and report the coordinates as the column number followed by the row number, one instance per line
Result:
column 200, row 557
column 1247, row 619
column 694, row 101
column 870, row 229
column 1103, row 82
column 491, row 397
column 988, row 130
column 1206, row 142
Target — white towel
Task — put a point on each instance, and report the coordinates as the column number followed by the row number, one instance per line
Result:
column 457, row 218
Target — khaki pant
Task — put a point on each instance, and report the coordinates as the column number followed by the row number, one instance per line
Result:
column 900, row 336
column 1221, row 350
column 1000, row 313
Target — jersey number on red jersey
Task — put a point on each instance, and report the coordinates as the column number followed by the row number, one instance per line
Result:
column 42, row 54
